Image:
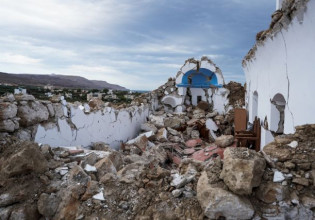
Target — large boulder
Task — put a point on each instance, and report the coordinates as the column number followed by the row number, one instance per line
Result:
column 224, row 140
column 7, row 110
column 217, row 202
column 28, row 159
column 242, row 170
column 32, row 113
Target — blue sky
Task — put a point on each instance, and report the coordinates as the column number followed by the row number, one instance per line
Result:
column 138, row 44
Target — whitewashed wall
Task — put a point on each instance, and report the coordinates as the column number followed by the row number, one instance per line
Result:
column 286, row 64
column 109, row 125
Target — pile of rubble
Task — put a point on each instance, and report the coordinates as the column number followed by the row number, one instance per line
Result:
column 183, row 165
column 180, row 167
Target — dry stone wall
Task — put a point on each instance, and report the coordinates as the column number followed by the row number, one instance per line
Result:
column 59, row 123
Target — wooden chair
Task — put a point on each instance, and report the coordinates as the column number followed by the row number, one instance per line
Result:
column 246, row 138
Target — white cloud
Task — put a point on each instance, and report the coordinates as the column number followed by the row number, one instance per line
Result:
column 68, row 17
column 18, row 59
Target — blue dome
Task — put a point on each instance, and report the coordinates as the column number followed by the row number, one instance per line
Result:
column 204, row 78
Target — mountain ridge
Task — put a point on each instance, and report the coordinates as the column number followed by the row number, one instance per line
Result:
column 64, row 81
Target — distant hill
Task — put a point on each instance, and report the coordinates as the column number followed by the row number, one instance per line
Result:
column 57, row 81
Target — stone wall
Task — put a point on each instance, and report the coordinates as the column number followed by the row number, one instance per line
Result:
column 59, row 123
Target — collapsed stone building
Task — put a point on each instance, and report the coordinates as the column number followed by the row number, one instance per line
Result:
column 198, row 81
column 171, row 154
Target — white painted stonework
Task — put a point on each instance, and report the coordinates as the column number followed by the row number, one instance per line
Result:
column 216, row 96
column 284, row 64
column 109, row 125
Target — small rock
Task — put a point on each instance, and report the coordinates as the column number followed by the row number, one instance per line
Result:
column 293, row 144
column 193, row 142
column 301, row 181
column 177, row 193
column 224, row 140
column 278, row 177
column 178, row 181
column 195, row 134
column 89, row 168
column 99, row 196
column 272, row 192
column 148, row 127
column 289, row 165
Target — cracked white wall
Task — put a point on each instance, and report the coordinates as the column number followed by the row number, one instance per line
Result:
column 110, row 126
column 285, row 64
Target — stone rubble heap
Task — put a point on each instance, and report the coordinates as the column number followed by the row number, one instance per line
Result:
column 176, row 169
column 181, row 166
